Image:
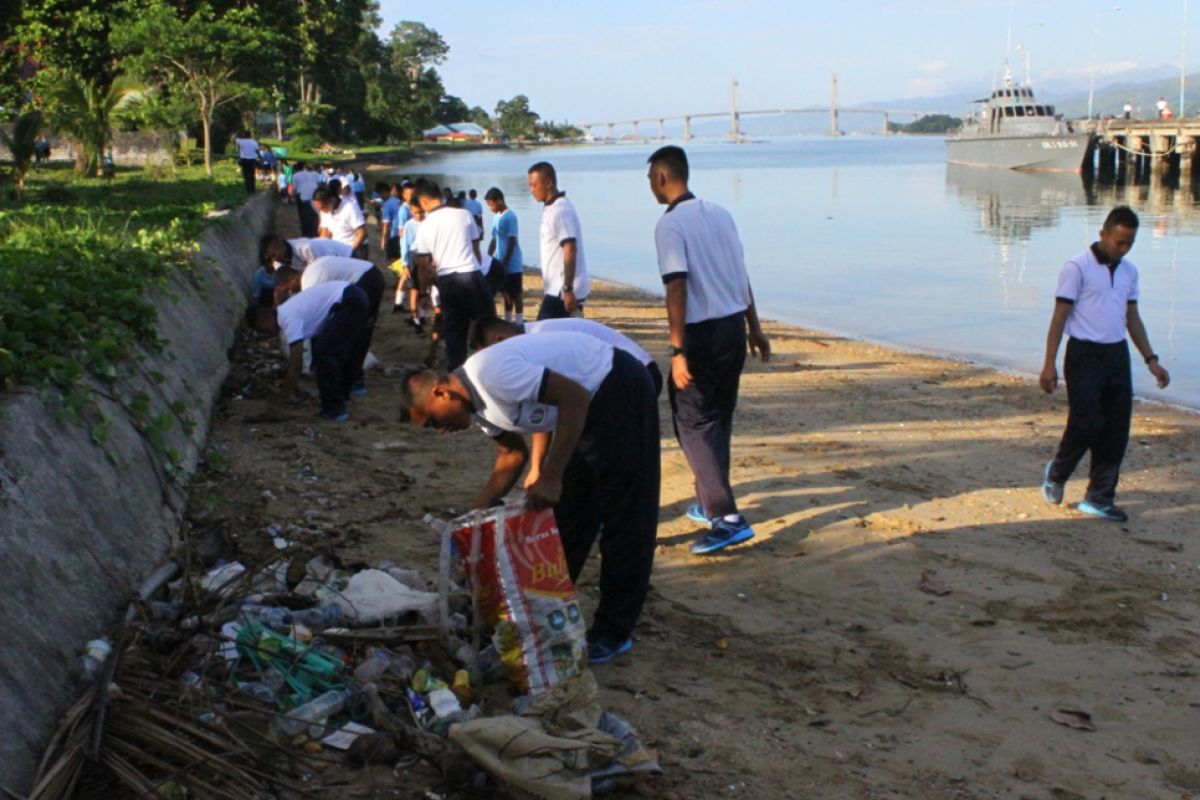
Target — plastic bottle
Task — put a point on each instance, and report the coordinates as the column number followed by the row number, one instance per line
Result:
column 278, row 618
column 319, row 708
column 377, row 662
column 402, row 666
column 94, row 655
column 320, row 618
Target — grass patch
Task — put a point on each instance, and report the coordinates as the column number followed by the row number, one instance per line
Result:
column 77, row 258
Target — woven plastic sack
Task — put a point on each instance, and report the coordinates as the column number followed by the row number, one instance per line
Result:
column 514, row 558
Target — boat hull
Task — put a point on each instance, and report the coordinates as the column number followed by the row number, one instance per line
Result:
column 1064, row 153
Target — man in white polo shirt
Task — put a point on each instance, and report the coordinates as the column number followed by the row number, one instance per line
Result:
column 493, row 330
column 332, row 315
column 600, row 471
column 565, row 281
column 275, row 251
column 305, row 181
column 1095, row 304
column 448, row 242
column 709, row 307
column 247, row 159
column 362, row 274
column 341, row 220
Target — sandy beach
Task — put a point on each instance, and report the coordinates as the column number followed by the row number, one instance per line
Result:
column 911, row 621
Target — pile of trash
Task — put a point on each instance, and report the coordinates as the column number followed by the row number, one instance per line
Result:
column 297, row 675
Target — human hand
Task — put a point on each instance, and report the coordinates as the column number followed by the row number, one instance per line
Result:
column 1160, row 374
column 680, row 374
column 544, row 493
column 534, row 474
column 759, row 345
column 1048, row 380
column 569, row 301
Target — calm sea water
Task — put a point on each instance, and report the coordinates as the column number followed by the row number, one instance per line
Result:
column 879, row 238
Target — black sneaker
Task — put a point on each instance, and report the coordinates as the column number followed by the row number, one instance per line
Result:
column 1109, row 512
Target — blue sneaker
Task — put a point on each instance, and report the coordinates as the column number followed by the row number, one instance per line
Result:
column 695, row 512
column 1109, row 512
column 723, row 534
column 334, row 416
column 1052, row 492
column 602, row 651
column 358, row 390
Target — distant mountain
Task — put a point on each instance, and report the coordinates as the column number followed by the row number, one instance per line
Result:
column 1142, row 87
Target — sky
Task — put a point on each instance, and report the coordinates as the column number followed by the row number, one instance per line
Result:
column 619, row 59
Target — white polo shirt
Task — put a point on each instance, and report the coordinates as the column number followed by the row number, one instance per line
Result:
column 305, row 183
column 446, row 234
column 306, row 251
column 344, row 221
column 334, row 268
column 698, row 239
column 1099, row 297
column 591, row 328
column 560, row 224
column 506, row 380
column 247, row 149
column 303, row 314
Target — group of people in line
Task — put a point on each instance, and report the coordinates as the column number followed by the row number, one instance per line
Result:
column 572, row 404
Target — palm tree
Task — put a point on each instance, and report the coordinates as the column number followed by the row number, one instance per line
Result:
column 20, row 144
column 82, row 108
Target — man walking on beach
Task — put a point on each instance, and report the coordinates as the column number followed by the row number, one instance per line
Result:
column 565, row 282
column 447, row 243
column 1095, row 304
column 709, row 306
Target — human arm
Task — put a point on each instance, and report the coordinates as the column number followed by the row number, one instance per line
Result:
column 508, row 251
column 360, row 236
column 756, row 338
column 676, row 319
column 572, row 401
column 1137, row 332
column 475, row 250
column 570, row 252
column 540, row 442
column 1048, row 380
column 511, row 456
column 492, row 246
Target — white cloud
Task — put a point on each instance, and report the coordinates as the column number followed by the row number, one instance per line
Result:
column 937, row 65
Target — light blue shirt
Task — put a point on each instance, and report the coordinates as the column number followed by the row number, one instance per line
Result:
column 503, row 227
column 410, row 236
column 391, row 216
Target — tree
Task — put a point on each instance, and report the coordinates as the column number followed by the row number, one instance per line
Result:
column 451, row 109
column 211, row 59
column 515, row 117
column 83, row 109
column 480, row 117
column 20, row 144
column 71, row 35
column 412, row 92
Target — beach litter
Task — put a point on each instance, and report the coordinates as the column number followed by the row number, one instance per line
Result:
column 246, row 680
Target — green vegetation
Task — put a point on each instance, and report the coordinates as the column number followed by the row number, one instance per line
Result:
column 77, row 259
column 930, row 123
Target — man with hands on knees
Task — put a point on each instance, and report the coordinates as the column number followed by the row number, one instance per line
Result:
column 1096, row 304
column 592, row 414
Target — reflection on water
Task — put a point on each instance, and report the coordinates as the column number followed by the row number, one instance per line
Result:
column 877, row 237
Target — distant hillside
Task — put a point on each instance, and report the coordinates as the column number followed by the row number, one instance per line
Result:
column 930, row 123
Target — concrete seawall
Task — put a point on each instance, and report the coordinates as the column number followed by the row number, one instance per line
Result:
column 81, row 523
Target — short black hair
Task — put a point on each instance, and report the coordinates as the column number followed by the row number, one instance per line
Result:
column 546, row 170
column 426, row 188
column 412, row 382
column 672, row 159
column 1123, row 216
column 483, row 327
column 494, row 194
column 471, row 194
column 329, row 193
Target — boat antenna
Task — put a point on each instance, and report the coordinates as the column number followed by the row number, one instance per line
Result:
column 1008, row 42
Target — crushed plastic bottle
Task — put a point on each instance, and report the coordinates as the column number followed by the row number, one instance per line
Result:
column 377, row 662
column 320, row 618
column 279, row 619
column 316, row 710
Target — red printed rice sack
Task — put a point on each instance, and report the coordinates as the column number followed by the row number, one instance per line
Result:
column 515, row 558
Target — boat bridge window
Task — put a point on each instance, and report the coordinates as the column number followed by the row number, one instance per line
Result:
column 1041, row 110
column 1008, row 112
column 1020, row 111
column 1029, row 111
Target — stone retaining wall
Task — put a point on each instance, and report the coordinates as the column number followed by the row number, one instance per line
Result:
column 78, row 533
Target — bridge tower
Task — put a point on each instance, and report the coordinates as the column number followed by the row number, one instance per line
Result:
column 834, row 130
column 687, row 129
column 735, row 117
